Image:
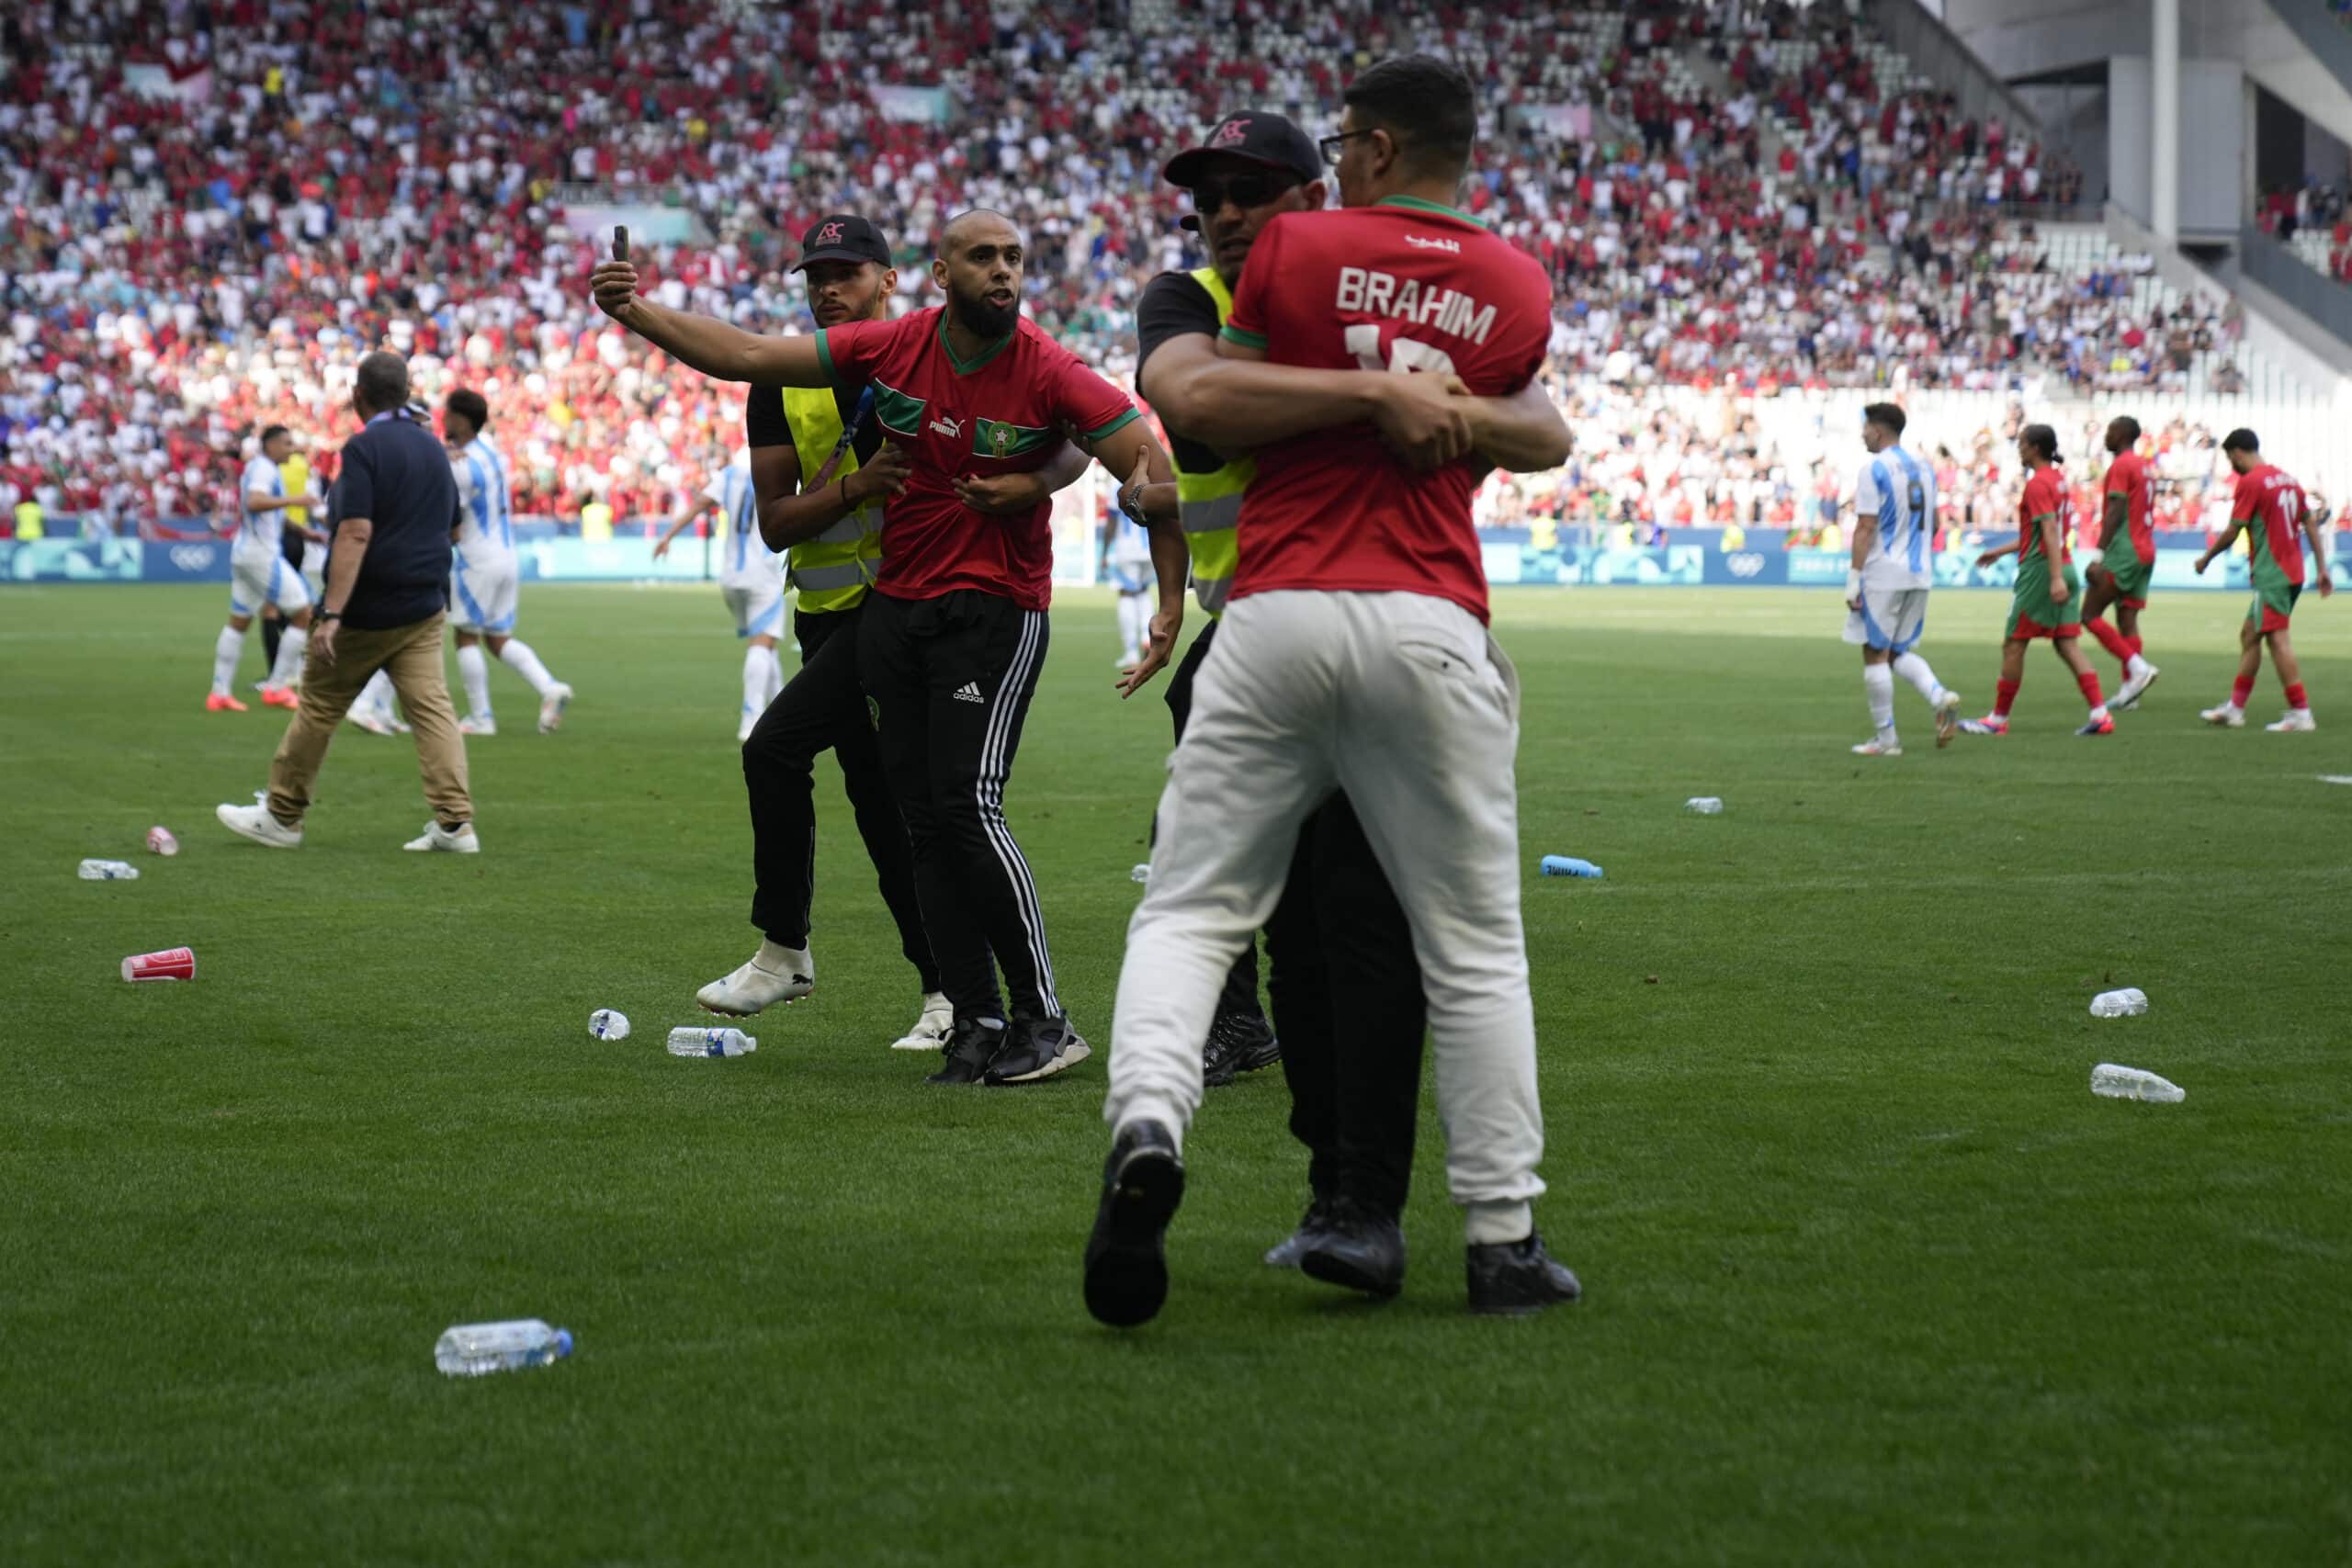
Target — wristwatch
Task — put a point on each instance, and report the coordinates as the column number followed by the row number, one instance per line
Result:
column 1131, row 505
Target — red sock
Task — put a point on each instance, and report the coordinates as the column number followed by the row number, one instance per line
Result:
column 2136, row 643
column 2295, row 697
column 2004, row 693
column 2241, row 692
column 2111, row 640
column 2088, row 682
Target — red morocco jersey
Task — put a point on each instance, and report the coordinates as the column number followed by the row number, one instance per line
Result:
column 1405, row 285
column 2128, row 477
column 1000, row 413
column 2045, row 495
column 2272, row 505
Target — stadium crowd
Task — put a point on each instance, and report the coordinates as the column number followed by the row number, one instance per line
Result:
column 213, row 206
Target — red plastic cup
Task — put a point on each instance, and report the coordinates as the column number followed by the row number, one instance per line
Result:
column 160, row 839
column 177, row 964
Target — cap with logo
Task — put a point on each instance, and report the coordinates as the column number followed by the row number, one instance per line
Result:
column 844, row 236
column 1254, row 136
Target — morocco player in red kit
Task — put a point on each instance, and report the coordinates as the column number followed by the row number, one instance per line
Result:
column 2271, row 510
column 2127, row 558
column 1355, row 655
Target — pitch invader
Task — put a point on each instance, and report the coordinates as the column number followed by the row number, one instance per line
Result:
column 2269, row 509
column 1886, row 589
column 2127, row 558
column 259, row 575
column 2048, row 588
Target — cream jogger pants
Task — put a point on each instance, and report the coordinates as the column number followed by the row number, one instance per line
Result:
column 1405, row 702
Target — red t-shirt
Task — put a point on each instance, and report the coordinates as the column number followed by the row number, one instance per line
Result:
column 1405, row 285
column 2045, row 495
column 2128, row 477
column 2271, row 502
column 1000, row 413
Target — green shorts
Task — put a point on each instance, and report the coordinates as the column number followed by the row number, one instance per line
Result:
column 2032, row 613
column 2273, row 603
column 2131, row 574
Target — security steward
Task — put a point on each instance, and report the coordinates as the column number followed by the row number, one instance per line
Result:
column 1345, row 985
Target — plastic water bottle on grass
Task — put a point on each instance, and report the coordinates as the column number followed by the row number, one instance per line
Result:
column 472, row 1349
column 1569, row 865
column 2129, row 1002
column 108, row 870
column 711, row 1043
column 2112, row 1081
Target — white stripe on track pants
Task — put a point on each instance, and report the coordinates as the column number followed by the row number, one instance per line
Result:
column 1405, row 702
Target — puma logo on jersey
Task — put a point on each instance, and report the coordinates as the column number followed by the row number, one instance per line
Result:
column 951, row 428
column 969, row 692
column 1423, row 243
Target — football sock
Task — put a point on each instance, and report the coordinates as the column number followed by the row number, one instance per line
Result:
column 272, row 632
column 756, row 660
column 775, row 678
column 1878, row 685
column 2004, row 693
column 2111, row 639
column 227, row 648
column 376, row 694
column 2296, row 697
column 474, row 668
column 2136, row 643
column 2088, row 682
column 287, row 667
column 2241, row 692
column 517, row 656
column 1913, row 669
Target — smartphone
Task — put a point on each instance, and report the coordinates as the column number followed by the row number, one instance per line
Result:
column 620, row 242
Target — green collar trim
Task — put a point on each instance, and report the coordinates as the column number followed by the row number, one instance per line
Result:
column 1418, row 204
column 965, row 366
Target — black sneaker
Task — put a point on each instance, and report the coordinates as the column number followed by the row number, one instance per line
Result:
column 1243, row 1042
column 1126, row 1270
column 1359, row 1246
column 973, row 1045
column 1039, row 1048
column 1285, row 1253
column 1513, row 1279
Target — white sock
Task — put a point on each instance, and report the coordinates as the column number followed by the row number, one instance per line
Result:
column 757, row 662
column 1877, row 684
column 517, row 656
column 775, row 678
column 1913, row 669
column 376, row 694
column 227, row 650
column 474, row 668
column 289, row 668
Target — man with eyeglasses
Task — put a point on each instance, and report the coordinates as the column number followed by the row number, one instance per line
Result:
column 1338, row 944
column 1355, row 655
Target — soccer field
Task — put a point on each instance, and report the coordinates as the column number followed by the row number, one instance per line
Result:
column 1871, row 1276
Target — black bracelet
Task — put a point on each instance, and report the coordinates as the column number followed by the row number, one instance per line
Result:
column 328, row 615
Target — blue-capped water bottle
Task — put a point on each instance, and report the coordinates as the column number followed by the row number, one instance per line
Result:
column 1569, row 865
column 711, row 1043
column 472, row 1349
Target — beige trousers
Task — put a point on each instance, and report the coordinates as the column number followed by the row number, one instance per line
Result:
column 410, row 656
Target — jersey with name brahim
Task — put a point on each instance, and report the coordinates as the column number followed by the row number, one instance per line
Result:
column 1001, row 412
column 1403, row 286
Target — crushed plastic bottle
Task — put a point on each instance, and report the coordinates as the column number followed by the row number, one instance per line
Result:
column 2129, row 1002
column 108, row 870
column 2114, row 1081
column 471, row 1349
column 606, row 1024
column 711, row 1043
column 1569, row 865
column 1141, row 872
column 1704, row 805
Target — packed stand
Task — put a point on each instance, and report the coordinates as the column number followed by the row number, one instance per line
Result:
column 214, row 209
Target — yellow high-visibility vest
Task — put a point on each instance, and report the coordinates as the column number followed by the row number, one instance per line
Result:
column 832, row 570
column 28, row 519
column 296, row 473
column 1209, row 505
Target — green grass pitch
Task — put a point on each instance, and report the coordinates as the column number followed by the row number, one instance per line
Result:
column 1871, row 1276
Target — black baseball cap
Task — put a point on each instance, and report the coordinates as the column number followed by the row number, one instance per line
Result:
column 844, row 236
column 1256, row 136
